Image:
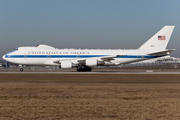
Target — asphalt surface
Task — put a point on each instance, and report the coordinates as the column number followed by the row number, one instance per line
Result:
column 99, row 72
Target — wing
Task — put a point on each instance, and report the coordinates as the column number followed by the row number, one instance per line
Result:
column 83, row 60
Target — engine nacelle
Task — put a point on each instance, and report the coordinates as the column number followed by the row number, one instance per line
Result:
column 66, row 64
column 91, row 62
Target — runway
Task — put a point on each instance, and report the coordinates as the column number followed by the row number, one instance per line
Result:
column 99, row 72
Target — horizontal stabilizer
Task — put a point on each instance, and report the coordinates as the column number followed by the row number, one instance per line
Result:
column 165, row 52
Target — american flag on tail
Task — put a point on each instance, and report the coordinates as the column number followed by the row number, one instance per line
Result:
column 161, row 37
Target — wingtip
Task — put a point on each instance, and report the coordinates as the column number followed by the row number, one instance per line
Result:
column 170, row 26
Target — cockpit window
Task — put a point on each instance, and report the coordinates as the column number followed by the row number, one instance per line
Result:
column 16, row 49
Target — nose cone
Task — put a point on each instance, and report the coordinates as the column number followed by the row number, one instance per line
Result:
column 3, row 57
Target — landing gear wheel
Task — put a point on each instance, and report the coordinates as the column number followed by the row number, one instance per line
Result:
column 89, row 69
column 84, row 69
column 21, row 69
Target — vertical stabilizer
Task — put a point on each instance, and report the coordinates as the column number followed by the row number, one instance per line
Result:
column 159, row 40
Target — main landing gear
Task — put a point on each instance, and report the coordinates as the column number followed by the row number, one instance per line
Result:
column 84, row 69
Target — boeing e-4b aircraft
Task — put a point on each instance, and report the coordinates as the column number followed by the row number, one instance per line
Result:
column 85, row 59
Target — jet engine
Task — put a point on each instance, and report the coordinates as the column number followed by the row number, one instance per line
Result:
column 91, row 62
column 66, row 64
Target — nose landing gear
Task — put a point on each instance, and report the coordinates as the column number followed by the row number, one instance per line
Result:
column 21, row 69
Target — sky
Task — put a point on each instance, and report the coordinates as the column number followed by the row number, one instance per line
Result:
column 106, row 24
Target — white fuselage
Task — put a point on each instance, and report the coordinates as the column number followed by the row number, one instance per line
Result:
column 47, row 56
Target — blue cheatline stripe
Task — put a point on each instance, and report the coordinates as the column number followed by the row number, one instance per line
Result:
column 75, row 56
column 52, row 56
